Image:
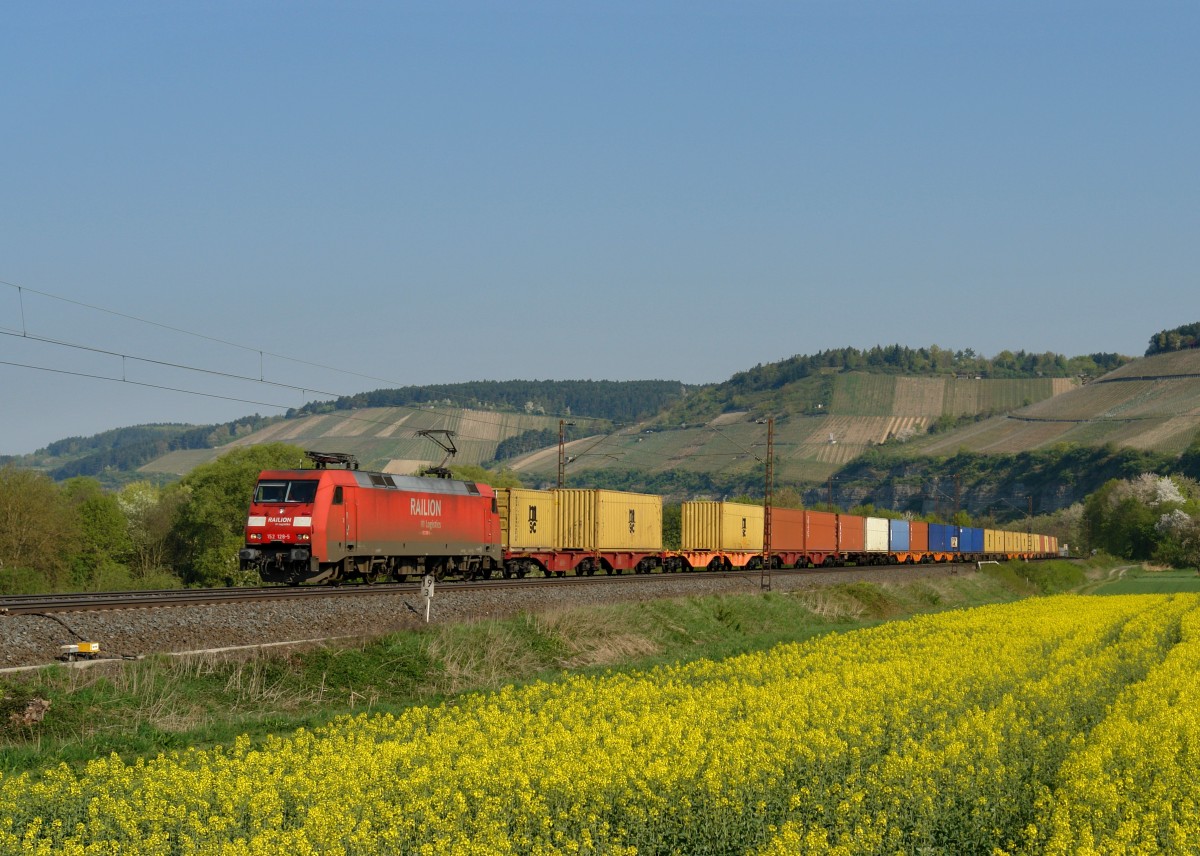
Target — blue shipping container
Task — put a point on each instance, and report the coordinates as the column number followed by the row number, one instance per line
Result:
column 970, row 540
column 898, row 534
column 943, row 538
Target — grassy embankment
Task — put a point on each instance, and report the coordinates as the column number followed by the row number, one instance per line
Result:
column 165, row 702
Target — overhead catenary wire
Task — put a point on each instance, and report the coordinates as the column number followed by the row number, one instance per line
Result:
column 168, row 364
column 457, row 414
column 142, row 383
column 21, row 289
column 340, row 415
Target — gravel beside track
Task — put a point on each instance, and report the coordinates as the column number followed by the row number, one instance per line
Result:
column 27, row 640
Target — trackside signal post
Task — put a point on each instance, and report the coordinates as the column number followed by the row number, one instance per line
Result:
column 427, row 593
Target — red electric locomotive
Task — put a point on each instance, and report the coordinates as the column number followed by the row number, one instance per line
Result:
column 328, row 525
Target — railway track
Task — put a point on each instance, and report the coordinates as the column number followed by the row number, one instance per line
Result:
column 90, row 601
column 93, row 601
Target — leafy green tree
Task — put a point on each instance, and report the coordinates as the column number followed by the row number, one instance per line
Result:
column 209, row 523
column 1178, row 539
column 1178, row 339
column 149, row 513
column 1189, row 461
column 788, row 497
column 99, row 554
column 1122, row 517
column 672, row 525
column 869, row 510
column 37, row 529
column 496, row 478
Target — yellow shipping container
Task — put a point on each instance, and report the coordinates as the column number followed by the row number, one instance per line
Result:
column 726, row 526
column 608, row 520
column 527, row 519
column 992, row 541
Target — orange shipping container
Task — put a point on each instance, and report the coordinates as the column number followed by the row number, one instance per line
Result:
column 787, row 530
column 852, row 535
column 820, row 531
column 918, row 537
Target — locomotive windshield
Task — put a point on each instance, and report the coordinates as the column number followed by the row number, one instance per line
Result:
column 301, row 490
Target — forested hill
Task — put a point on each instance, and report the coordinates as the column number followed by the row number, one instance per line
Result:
column 1179, row 339
column 899, row 359
column 126, row 449
column 619, row 401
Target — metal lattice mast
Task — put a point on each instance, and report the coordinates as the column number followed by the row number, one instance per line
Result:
column 562, row 452
column 768, row 501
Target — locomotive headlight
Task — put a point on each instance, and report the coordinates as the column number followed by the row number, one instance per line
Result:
column 304, row 537
column 255, row 536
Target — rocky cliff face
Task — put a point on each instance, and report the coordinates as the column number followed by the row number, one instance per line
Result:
column 999, row 487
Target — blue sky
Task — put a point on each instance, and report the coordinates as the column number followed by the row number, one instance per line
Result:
column 440, row 192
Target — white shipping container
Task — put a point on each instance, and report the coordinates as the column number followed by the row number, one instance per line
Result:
column 877, row 535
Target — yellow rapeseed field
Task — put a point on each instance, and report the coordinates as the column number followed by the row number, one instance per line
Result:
column 1061, row 725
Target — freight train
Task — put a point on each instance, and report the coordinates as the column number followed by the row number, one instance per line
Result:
column 326, row 525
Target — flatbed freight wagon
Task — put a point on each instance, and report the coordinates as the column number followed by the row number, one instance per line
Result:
column 579, row 531
column 719, row 536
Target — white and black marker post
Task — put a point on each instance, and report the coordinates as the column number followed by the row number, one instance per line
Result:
column 427, row 593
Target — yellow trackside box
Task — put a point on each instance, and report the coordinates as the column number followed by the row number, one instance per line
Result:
column 528, row 519
column 608, row 520
column 721, row 526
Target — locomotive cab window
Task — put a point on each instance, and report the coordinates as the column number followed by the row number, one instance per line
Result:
column 286, row 491
column 270, row 492
column 337, row 495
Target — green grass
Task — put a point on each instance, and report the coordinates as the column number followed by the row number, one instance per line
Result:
column 1142, row 581
column 1046, row 577
column 140, row 709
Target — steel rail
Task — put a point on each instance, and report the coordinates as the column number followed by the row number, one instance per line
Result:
column 92, row 601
